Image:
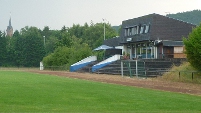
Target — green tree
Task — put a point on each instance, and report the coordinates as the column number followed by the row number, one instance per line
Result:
column 18, row 49
column 68, row 55
column 94, row 34
column 46, row 32
column 10, row 52
column 193, row 47
column 79, row 50
column 59, row 57
column 91, row 35
column 2, row 48
column 51, row 44
column 64, row 38
column 32, row 47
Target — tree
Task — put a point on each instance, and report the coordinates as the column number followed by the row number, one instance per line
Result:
column 64, row 55
column 46, row 32
column 79, row 50
column 18, row 50
column 193, row 47
column 10, row 51
column 29, row 47
column 51, row 44
column 2, row 48
column 64, row 38
column 59, row 57
column 93, row 35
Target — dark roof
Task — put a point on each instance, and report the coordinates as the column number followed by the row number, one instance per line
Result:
column 112, row 42
column 161, row 28
column 172, row 43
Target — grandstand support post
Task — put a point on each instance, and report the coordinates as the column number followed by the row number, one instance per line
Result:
column 136, row 68
column 129, row 67
column 145, row 72
column 122, row 70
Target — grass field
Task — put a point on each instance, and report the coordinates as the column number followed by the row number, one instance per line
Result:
column 28, row 92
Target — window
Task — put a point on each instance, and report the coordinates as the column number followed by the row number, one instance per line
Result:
column 125, row 33
column 141, row 29
column 147, row 29
column 130, row 31
column 138, row 28
column 133, row 31
column 178, row 50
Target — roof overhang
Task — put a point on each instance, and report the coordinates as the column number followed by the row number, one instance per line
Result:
column 172, row 43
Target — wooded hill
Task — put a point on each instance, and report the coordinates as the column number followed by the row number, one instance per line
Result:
column 193, row 17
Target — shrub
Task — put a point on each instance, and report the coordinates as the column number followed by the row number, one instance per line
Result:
column 193, row 47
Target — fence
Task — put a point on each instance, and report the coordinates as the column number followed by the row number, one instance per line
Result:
column 133, row 67
column 187, row 76
column 56, row 68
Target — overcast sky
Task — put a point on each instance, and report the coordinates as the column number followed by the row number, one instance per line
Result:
column 57, row 13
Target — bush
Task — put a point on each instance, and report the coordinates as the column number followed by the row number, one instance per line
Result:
column 65, row 56
column 193, row 47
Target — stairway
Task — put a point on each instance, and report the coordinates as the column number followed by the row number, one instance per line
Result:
column 153, row 67
column 113, row 68
column 87, row 68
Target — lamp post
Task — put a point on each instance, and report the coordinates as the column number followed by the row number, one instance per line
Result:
column 104, row 28
column 44, row 40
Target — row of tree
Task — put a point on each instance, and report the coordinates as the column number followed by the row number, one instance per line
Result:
column 31, row 45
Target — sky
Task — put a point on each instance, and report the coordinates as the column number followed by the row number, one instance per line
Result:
column 57, row 13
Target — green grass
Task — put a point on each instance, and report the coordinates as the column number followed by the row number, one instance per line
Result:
column 29, row 92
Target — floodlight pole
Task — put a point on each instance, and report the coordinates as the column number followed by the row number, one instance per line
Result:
column 44, row 40
column 104, row 28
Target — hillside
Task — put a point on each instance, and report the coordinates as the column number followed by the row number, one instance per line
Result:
column 116, row 28
column 193, row 17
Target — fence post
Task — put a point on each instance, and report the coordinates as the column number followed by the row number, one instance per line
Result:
column 136, row 69
column 192, row 75
column 129, row 67
column 145, row 71
column 179, row 74
column 122, row 70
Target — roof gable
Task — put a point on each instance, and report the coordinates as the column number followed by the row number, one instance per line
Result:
column 161, row 27
column 166, row 28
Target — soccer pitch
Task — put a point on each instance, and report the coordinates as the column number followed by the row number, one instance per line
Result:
column 30, row 92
